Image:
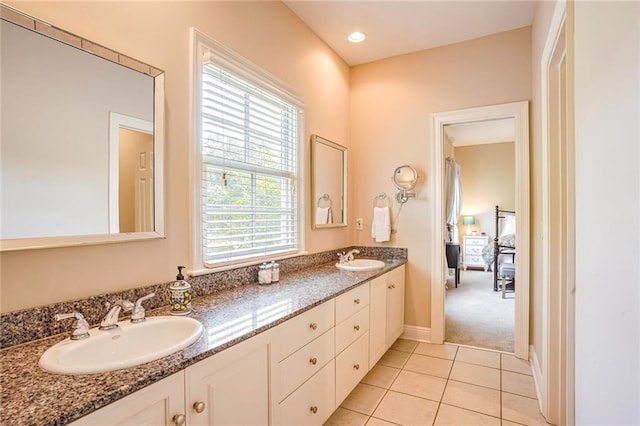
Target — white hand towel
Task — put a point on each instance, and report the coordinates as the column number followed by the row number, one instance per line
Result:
column 323, row 215
column 381, row 224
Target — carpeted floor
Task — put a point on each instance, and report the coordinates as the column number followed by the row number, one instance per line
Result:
column 477, row 316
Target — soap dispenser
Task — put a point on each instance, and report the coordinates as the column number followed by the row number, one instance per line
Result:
column 180, row 295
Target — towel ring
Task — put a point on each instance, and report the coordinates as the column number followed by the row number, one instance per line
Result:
column 325, row 197
column 381, row 197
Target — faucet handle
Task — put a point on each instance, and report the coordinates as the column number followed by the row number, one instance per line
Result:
column 138, row 314
column 80, row 329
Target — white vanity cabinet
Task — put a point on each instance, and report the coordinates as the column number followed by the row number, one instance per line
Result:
column 161, row 403
column 296, row 373
column 386, row 313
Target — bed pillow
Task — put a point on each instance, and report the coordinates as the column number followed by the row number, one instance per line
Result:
column 508, row 226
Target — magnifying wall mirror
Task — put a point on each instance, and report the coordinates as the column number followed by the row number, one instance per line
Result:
column 405, row 179
column 328, row 183
column 82, row 140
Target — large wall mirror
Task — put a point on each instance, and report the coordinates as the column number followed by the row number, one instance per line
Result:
column 328, row 183
column 82, row 147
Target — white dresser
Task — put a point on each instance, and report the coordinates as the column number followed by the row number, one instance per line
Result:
column 472, row 251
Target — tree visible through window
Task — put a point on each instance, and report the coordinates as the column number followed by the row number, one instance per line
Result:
column 249, row 170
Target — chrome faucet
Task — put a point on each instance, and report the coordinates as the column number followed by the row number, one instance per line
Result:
column 110, row 321
column 347, row 257
column 80, row 328
column 138, row 314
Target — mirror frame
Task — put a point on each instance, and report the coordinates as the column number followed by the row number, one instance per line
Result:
column 315, row 139
column 45, row 29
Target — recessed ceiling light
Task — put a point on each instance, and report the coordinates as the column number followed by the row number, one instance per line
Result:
column 356, row 37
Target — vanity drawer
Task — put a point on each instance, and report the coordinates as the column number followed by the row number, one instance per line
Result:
column 475, row 241
column 351, row 328
column 299, row 366
column 351, row 302
column 313, row 402
column 351, row 366
column 474, row 250
column 474, row 260
column 298, row 331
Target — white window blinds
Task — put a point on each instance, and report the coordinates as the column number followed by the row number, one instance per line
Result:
column 249, row 204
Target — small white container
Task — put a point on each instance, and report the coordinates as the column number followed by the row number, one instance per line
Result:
column 264, row 274
column 275, row 272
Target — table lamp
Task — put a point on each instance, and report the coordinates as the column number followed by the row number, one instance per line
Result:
column 468, row 220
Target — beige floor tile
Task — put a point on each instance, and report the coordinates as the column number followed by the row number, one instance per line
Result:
column 521, row 409
column 378, row 422
column 476, row 375
column 479, row 357
column 517, row 383
column 342, row 417
column 508, row 423
column 511, row 363
column 381, row 376
column 439, row 351
column 455, row 416
column 393, row 358
column 472, row 397
column 421, row 385
column 363, row 399
column 429, row 365
column 406, row 409
column 404, row 345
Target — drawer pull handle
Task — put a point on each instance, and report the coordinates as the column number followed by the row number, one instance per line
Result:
column 198, row 407
column 313, row 409
column 313, row 326
column 179, row 419
column 356, row 327
column 356, row 366
column 356, row 301
column 313, row 361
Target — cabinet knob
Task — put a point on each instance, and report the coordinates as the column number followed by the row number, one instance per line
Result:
column 356, row 366
column 179, row 419
column 198, row 407
column 356, row 327
column 356, row 301
column 313, row 326
column 313, row 409
column 313, row 361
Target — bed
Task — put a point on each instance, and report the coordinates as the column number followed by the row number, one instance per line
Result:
column 500, row 253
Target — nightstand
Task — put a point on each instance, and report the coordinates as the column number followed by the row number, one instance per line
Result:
column 472, row 251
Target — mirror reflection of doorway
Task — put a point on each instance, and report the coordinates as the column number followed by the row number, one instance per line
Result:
column 131, row 174
column 482, row 154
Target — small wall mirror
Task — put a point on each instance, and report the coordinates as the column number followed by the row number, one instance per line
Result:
column 328, row 183
column 82, row 140
column 405, row 179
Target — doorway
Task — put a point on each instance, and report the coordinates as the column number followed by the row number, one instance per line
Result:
column 518, row 111
column 477, row 312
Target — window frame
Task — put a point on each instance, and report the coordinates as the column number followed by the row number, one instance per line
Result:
column 232, row 62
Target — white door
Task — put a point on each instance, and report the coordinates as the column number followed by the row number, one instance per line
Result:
column 144, row 188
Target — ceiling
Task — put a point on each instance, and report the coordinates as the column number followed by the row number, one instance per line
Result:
column 481, row 132
column 397, row 27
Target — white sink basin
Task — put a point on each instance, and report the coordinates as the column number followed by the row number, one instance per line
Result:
column 127, row 346
column 361, row 265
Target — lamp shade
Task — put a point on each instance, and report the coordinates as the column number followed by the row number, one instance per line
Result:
column 468, row 220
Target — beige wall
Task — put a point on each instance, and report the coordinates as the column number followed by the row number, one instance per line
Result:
column 268, row 34
column 488, row 175
column 391, row 105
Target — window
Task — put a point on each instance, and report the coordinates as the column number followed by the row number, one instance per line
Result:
column 249, row 127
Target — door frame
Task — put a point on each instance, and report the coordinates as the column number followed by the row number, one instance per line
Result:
column 519, row 111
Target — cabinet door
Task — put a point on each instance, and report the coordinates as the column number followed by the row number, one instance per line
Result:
column 377, row 320
column 156, row 405
column 395, row 305
column 232, row 386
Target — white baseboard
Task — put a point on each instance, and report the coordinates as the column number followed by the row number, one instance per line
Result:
column 538, row 378
column 413, row 332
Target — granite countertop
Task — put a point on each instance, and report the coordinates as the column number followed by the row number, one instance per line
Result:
column 31, row 396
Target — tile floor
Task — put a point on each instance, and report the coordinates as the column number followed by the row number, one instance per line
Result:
column 423, row 384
